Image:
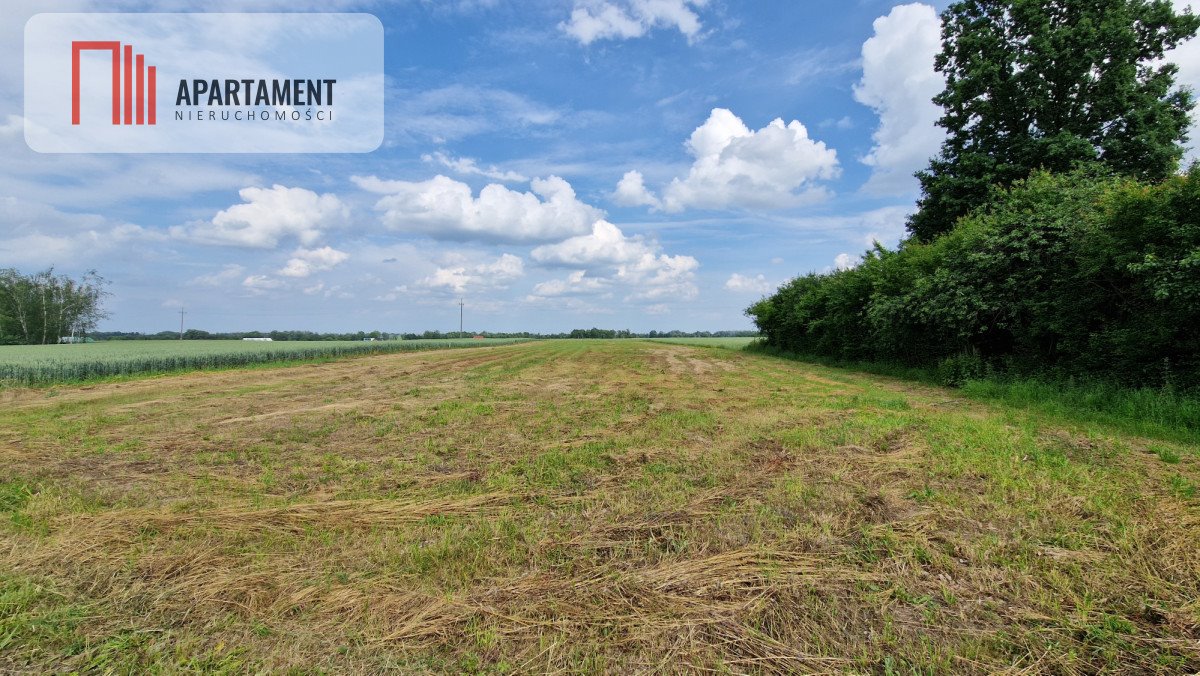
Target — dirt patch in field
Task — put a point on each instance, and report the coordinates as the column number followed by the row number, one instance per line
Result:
column 696, row 363
column 812, row 377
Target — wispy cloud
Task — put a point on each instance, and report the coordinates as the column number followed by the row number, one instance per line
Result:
column 469, row 166
column 593, row 20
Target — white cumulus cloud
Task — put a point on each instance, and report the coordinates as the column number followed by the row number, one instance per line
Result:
column 845, row 261
column 268, row 216
column 593, row 20
column 461, row 276
column 743, row 284
column 604, row 245
column 631, row 192
column 304, row 262
column 258, row 284
column 661, row 276
column 899, row 83
column 578, row 282
column 446, row 209
column 735, row 167
column 615, row 258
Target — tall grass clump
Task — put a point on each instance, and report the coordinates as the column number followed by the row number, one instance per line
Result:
column 1150, row 411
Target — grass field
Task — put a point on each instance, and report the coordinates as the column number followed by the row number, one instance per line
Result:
column 42, row 364
column 584, row 506
column 731, row 343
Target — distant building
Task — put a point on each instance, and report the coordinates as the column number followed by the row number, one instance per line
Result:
column 258, row 340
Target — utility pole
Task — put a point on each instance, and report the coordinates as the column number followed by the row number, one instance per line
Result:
column 181, row 313
column 460, row 316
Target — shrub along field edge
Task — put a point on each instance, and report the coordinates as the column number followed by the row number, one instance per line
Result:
column 1061, row 277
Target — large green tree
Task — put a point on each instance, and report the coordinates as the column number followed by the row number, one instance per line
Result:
column 43, row 307
column 1048, row 84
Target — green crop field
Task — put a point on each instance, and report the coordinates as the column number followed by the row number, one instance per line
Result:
column 578, row 506
column 39, row 364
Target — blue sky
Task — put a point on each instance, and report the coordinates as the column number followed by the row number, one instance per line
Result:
column 560, row 164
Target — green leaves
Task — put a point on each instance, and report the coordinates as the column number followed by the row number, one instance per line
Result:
column 1050, row 84
column 43, row 307
column 1082, row 274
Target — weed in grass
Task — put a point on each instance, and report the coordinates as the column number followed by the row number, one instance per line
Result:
column 1182, row 487
column 35, row 618
column 14, row 494
column 1167, row 455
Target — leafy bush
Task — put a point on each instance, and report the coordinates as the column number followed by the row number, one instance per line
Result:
column 956, row 370
column 1081, row 274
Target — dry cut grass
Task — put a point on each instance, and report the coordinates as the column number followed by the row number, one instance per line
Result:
column 578, row 506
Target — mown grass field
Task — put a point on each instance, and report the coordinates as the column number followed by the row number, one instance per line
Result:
column 42, row 364
column 730, row 343
column 584, row 506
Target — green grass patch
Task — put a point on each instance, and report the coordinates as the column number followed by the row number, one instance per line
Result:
column 1157, row 413
column 729, row 343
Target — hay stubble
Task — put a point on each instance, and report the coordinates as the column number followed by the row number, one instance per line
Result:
column 581, row 506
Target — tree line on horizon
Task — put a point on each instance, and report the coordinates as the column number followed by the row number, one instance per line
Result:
column 1055, row 235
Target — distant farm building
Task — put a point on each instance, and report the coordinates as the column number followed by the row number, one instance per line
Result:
column 258, row 340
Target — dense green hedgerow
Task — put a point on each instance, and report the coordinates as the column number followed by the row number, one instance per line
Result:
column 1080, row 275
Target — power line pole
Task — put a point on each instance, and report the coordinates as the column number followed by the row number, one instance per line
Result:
column 460, row 317
column 181, row 313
